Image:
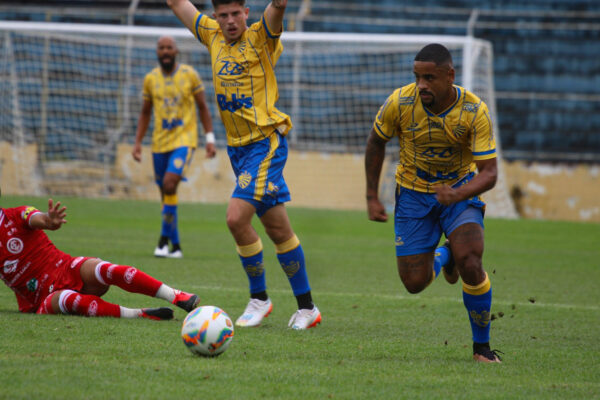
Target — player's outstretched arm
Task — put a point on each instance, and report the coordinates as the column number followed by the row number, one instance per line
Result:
column 374, row 156
column 51, row 220
column 185, row 11
column 274, row 15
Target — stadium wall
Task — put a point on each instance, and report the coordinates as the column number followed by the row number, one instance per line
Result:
column 540, row 191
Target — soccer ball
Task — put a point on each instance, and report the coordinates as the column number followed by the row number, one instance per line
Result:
column 207, row 331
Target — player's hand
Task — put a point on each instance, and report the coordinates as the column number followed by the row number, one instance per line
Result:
column 137, row 152
column 56, row 215
column 376, row 210
column 446, row 195
column 211, row 150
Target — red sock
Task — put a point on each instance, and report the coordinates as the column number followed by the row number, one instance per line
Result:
column 127, row 278
column 71, row 302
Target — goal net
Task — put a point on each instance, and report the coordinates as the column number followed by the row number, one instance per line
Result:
column 70, row 96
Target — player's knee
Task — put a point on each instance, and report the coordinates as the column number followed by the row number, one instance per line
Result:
column 470, row 267
column 169, row 187
column 234, row 222
column 414, row 286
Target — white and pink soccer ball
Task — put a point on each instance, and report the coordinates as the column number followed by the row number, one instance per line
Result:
column 207, row 331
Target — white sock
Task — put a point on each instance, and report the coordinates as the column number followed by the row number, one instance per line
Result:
column 130, row 312
column 166, row 293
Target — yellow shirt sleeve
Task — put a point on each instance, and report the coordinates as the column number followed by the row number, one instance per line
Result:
column 483, row 143
column 205, row 28
column 387, row 120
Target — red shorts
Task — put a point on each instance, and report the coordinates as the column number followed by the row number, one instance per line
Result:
column 69, row 278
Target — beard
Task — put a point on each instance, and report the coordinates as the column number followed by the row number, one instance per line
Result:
column 430, row 101
column 167, row 63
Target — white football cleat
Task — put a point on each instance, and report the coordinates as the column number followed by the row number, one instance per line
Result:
column 175, row 254
column 161, row 251
column 254, row 313
column 304, row 319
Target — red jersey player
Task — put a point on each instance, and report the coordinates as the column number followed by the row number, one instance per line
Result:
column 49, row 281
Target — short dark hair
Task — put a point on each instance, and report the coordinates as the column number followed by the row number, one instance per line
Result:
column 216, row 3
column 435, row 53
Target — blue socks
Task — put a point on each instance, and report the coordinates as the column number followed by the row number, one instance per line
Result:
column 478, row 302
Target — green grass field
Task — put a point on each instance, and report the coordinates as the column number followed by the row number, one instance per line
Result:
column 376, row 340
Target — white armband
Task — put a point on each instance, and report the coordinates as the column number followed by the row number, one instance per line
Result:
column 210, row 137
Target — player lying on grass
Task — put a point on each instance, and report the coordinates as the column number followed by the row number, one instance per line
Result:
column 49, row 281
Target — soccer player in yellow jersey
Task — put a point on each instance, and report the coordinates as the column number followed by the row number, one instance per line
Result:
column 173, row 91
column 447, row 159
column 243, row 60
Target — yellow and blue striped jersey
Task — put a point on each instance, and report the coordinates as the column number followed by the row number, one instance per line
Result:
column 436, row 149
column 244, row 79
column 172, row 96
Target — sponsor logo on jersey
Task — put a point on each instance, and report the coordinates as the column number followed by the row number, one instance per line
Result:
column 230, row 67
column 10, row 266
column 439, row 176
column 32, row 285
column 170, row 124
column 470, row 107
column 435, row 152
column 244, row 179
column 235, row 103
column 14, row 245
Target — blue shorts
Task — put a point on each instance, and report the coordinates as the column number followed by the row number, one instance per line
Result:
column 175, row 161
column 258, row 168
column 420, row 220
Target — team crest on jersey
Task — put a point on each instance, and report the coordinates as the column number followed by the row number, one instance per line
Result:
column 10, row 266
column 470, row 107
column 459, row 131
column 399, row 241
column 14, row 245
column 32, row 285
column 244, row 179
column 178, row 162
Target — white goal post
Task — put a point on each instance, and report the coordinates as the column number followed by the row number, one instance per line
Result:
column 74, row 92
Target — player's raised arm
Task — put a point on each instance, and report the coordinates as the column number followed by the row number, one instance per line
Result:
column 51, row 220
column 274, row 15
column 185, row 11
